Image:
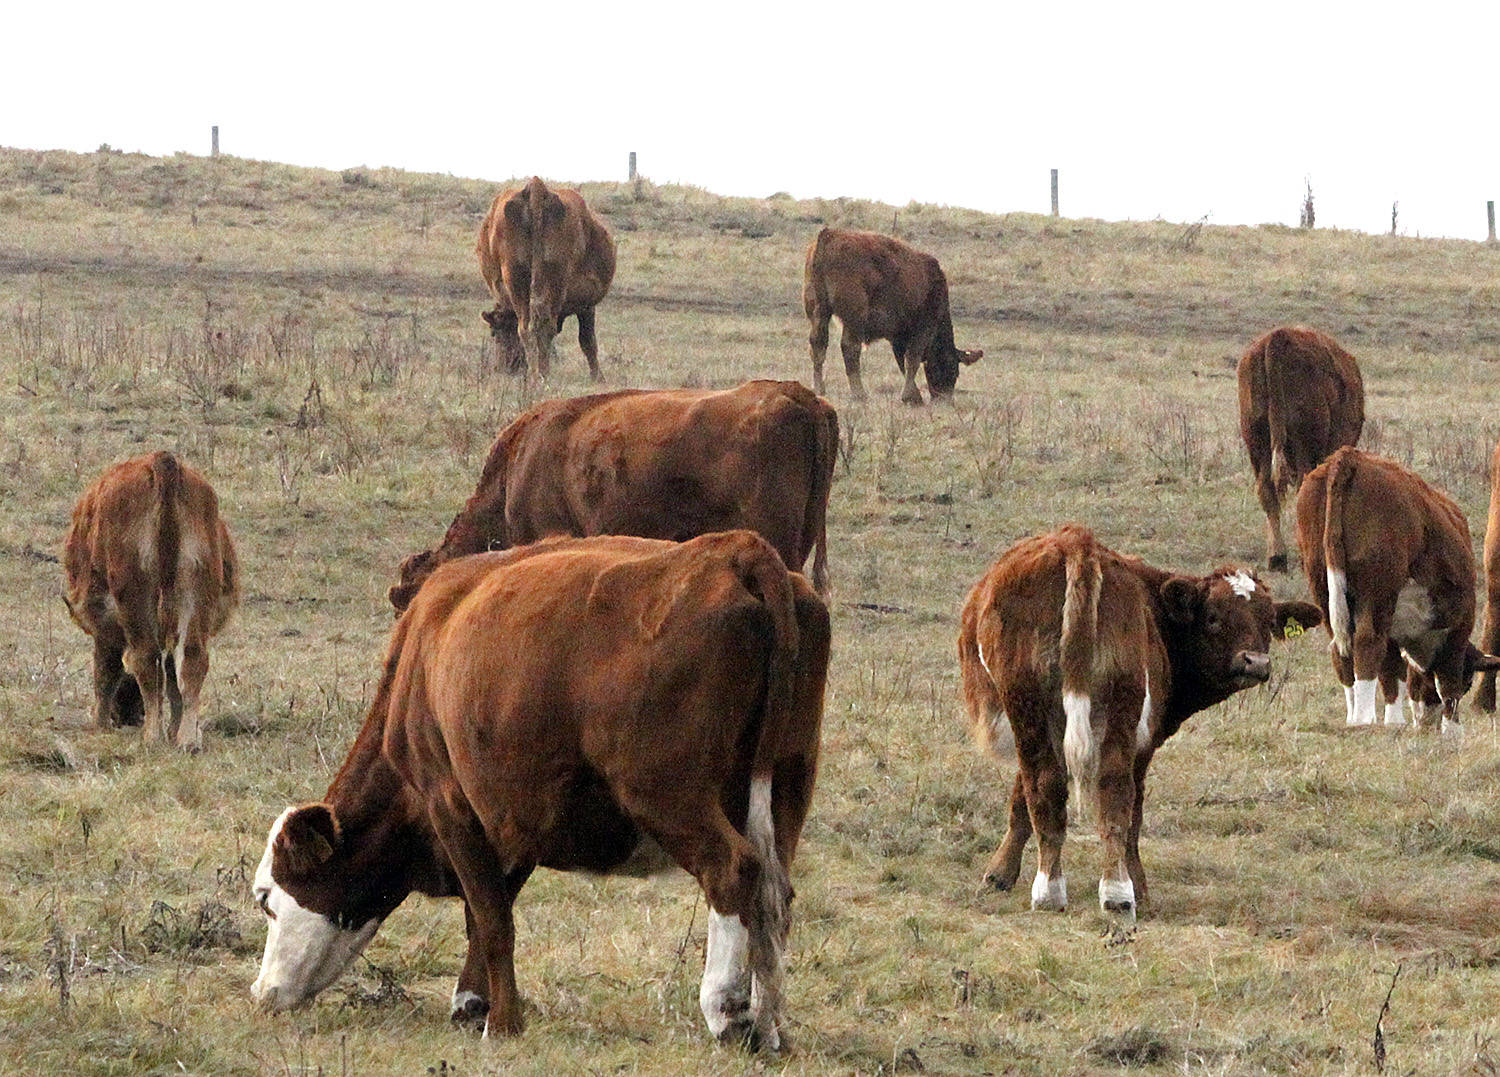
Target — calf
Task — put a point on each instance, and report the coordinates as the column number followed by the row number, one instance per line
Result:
column 669, row 464
column 881, row 289
column 655, row 703
column 1089, row 660
column 545, row 257
column 1390, row 562
column 1301, row 397
column 151, row 575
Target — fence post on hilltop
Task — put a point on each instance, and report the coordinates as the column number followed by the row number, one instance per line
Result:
column 632, row 166
column 1054, row 192
column 1490, row 207
column 215, row 151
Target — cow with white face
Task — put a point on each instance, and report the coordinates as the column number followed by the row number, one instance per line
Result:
column 1086, row 661
column 611, row 705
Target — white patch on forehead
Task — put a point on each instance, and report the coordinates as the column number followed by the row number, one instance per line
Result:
column 1241, row 582
column 305, row 950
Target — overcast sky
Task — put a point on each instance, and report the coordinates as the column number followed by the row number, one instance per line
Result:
column 1177, row 110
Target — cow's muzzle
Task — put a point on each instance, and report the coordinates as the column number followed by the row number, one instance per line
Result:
column 1253, row 665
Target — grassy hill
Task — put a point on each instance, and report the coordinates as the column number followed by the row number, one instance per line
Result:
column 312, row 340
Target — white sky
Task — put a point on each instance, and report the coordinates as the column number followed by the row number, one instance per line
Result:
column 1148, row 109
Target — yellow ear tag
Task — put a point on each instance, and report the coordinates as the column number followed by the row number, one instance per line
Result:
column 1293, row 629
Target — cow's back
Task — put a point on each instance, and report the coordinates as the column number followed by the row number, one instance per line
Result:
column 875, row 284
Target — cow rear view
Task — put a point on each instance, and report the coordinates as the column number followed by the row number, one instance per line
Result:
column 151, row 575
column 1301, row 398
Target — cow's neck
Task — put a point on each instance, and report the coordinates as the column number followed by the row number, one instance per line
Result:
column 388, row 840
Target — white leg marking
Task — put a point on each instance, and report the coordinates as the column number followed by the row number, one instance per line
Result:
column 1117, row 899
column 1049, row 894
column 1143, row 727
column 1348, row 705
column 724, row 994
column 1080, row 751
column 465, row 1003
column 1365, row 693
column 1395, row 710
column 1338, row 609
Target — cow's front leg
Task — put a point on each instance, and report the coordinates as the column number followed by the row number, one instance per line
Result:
column 469, row 1004
column 911, row 362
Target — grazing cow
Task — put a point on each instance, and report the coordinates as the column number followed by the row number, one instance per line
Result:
column 881, row 289
column 1301, row 397
column 151, row 575
column 545, row 257
column 1094, row 659
column 1489, row 637
column 669, row 464
column 1389, row 560
column 606, row 705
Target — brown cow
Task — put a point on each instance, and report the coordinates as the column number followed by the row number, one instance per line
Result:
column 1301, row 397
column 1489, row 636
column 1095, row 659
column 881, row 289
column 652, row 703
column 1390, row 562
column 545, row 257
column 668, row 464
column 151, row 575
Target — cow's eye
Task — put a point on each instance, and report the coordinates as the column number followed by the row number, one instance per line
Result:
column 1213, row 623
column 263, row 899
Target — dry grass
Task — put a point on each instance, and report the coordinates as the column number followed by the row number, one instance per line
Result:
column 312, row 340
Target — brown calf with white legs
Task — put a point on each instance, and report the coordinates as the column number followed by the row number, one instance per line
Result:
column 1301, row 397
column 1089, row 660
column 610, row 705
column 1391, row 564
column 151, row 575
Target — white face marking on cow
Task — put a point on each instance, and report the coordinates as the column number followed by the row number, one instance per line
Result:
column 1364, row 702
column 1395, row 710
column 305, row 950
column 1143, row 727
column 724, row 994
column 1241, row 583
column 1338, row 609
column 1117, row 900
column 1048, row 895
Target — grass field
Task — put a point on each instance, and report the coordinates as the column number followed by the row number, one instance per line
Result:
column 312, row 341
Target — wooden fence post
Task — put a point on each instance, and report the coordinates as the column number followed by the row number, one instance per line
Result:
column 1054, row 192
column 632, row 166
column 1490, row 207
column 215, row 151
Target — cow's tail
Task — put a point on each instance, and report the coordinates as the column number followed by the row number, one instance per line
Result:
column 1340, row 475
column 824, row 459
column 1080, row 626
column 166, row 480
column 767, row 577
column 815, row 297
column 1274, row 359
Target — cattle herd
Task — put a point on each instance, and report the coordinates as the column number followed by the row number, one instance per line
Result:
column 612, row 663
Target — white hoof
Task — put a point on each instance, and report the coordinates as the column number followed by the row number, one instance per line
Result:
column 1049, row 895
column 1117, row 900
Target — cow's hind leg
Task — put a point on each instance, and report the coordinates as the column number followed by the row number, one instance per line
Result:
column 143, row 662
column 817, row 342
column 1044, row 780
column 1004, row 867
column 588, row 342
column 190, row 679
column 1393, row 686
column 109, row 672
column 1371, row 642
column 1121, row 705
column 1270, row 502
column 850, row 345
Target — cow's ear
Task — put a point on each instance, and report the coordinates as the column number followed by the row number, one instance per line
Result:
column 1180, row 597
column 968, row 358
column 1302, row 614
column 307, row 840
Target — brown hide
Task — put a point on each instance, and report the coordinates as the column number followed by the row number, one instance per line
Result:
column 545, row 257
column 1301, row 397
column 1062, row 644
column 1382, row 527
column 151, row 575
column 1489, row 637
column 554, row 704
column 881, row 289
column 668, row 464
